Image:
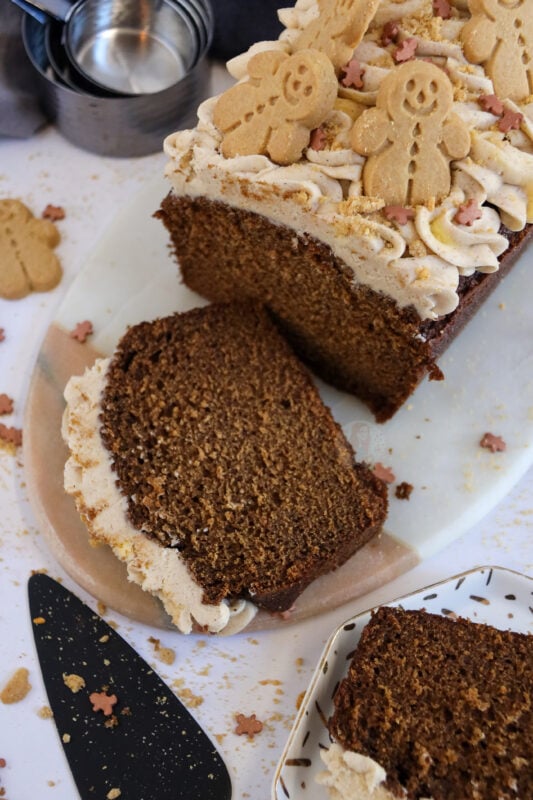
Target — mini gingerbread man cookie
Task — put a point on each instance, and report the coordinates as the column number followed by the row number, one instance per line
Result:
column 27, row 260
column 274, row 112
column 411, row 136
column 500, row 36
column 338, row 29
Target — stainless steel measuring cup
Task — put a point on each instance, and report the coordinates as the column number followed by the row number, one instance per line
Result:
column 114, row 125
column 126, row 47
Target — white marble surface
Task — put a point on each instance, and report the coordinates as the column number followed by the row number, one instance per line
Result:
column 261, row 674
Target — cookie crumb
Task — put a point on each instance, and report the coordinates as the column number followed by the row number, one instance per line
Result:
column 16, row 688
column 45, row 712
column 164, row 654
column 113, row 794
column 73, row 682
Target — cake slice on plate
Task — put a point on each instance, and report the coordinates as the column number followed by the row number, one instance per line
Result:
column 202, row 453
column 433, row 707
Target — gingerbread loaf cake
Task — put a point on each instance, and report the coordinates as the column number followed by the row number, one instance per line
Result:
column 367, row 178
column 433, row 707
column 202, row 453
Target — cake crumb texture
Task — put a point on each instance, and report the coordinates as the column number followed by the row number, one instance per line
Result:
column 225, row 451
column 444, row 706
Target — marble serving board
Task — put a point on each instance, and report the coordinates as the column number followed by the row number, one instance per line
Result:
column 432, row 443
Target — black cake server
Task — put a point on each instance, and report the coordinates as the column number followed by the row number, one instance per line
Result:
column 141, row 742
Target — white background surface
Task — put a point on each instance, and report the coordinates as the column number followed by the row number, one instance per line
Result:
column 263, row 674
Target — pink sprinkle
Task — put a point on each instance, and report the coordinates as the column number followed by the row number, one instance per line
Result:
column 406, row 50
column 383, row 473
column 442, row 8
column 467, row 213
column 318, row 139
column 493, row 443
column 510, row 120
column 390, row 33
column 492, row 103
column 399, row 214
column 82, row 331
column 353, row 74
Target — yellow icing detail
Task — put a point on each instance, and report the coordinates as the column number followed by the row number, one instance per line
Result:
column 439, row 231
column 529, row 209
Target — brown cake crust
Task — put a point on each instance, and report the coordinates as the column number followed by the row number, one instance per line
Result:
column 444, row 706
column 224, row 449
column 355, row 338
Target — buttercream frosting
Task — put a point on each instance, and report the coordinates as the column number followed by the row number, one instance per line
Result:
column 353, row 776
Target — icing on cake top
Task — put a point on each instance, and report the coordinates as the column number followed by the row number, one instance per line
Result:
column 419, row 155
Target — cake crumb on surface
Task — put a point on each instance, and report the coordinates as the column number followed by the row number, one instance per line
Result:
column 73, row 682
column 165, row 654
column 403, row 490
column 16, row 688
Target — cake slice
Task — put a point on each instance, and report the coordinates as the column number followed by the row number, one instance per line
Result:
column 405, row 203
column 433, row 707
column 203, row 454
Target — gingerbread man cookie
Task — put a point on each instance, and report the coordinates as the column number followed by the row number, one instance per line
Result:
column 27, row 260
column 411, row 136
column 500, row 36
column 274, row 112
column 338, row 29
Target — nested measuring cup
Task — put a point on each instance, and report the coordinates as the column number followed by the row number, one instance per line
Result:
column 127, row 47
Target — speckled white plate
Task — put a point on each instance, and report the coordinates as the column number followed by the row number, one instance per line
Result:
column 491, row 595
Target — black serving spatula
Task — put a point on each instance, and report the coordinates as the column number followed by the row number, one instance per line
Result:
column 148, row 745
